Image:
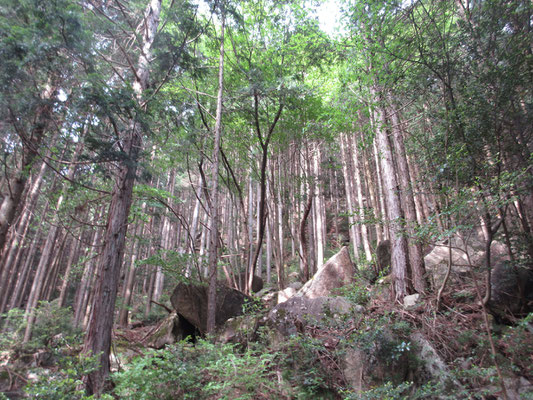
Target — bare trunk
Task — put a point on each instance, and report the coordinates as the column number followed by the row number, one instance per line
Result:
column 381, row 211
column 213, row 237
column 416, row 258
column 359, row 194
column 73, row 255
column 129, row 280
column 319, row 206
column 98, row 338
column 11, row 204
column 347, row 187
column 399, row 244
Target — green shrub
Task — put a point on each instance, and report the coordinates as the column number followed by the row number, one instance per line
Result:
column 203, row 371
column 65, row 383
column 13, row 328
column 51, row 321
column 356, row 293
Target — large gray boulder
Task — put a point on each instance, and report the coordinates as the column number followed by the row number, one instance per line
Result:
column 511, row 289
column 381, row 358
column 383, row 257
column 312, row 301
column 289, row 317
column 257, row 282
column 190, row 301
column 336, row 273
column 383, row 262
column 466, row 251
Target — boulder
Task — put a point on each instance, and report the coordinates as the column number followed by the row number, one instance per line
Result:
column 382, row 265
column 164, row 332
column 190, row 301
column 170, row 330
column 463, row 253
column 296, row 285
column 337, row 272
column 373, row 362
column 431, row 367
column 292, row 315
column 257, row 282
column 410, row 302
column 241, row 329
column 286, row 294
column 511, row 289
column 383, row 257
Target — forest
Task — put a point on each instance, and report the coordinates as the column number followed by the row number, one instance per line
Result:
column 222, row 199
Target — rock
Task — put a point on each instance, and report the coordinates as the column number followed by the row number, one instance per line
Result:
column 512, row 289
column 241, row 329
column 171, row 329
column 190, row 301
column 436, row 261
column 257, row 282
column 285, row 294
column 337, row 272
column 296, row 285
column 517, row 388
column 292, row 315
column 383, row 257
column 268, row 297
column 382, row 265
column 411, row 301
column 432, row 366
column 383, row 359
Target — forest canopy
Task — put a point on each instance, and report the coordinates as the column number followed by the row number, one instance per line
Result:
column 147, row 143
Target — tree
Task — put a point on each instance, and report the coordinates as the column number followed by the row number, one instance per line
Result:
column 98, row 338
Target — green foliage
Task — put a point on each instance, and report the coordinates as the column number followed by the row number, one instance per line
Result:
column 51, row 321
column 13, row 327
column 516, row 343
column 252, row 307
column 385, row 337
column 385, row 392
column 302, row 358
column 66, row 382
column 174, row 373
column 403, row 391
column 356, row 293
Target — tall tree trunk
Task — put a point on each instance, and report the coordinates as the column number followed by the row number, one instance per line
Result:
column 7, row 264
column 416, row 258
column 359, row 194
column 213, row 226
column 372, row 191
column 84, row 288
column 346, row 170
column 129, row 280
column 399, row 244
column 382, row 212
column 319, row 207
column 264, row 142
column 98, row 338
column 11, row 204
column 73, row 255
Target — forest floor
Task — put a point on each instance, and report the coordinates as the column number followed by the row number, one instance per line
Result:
column 308, row 365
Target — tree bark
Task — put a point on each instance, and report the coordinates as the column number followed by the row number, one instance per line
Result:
column 347, row 187
column 98, row 338
column 11, row 204
column 319, row 207
column 416, row 258
column 359, row 194
column 399, row 244
column 213, row 226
